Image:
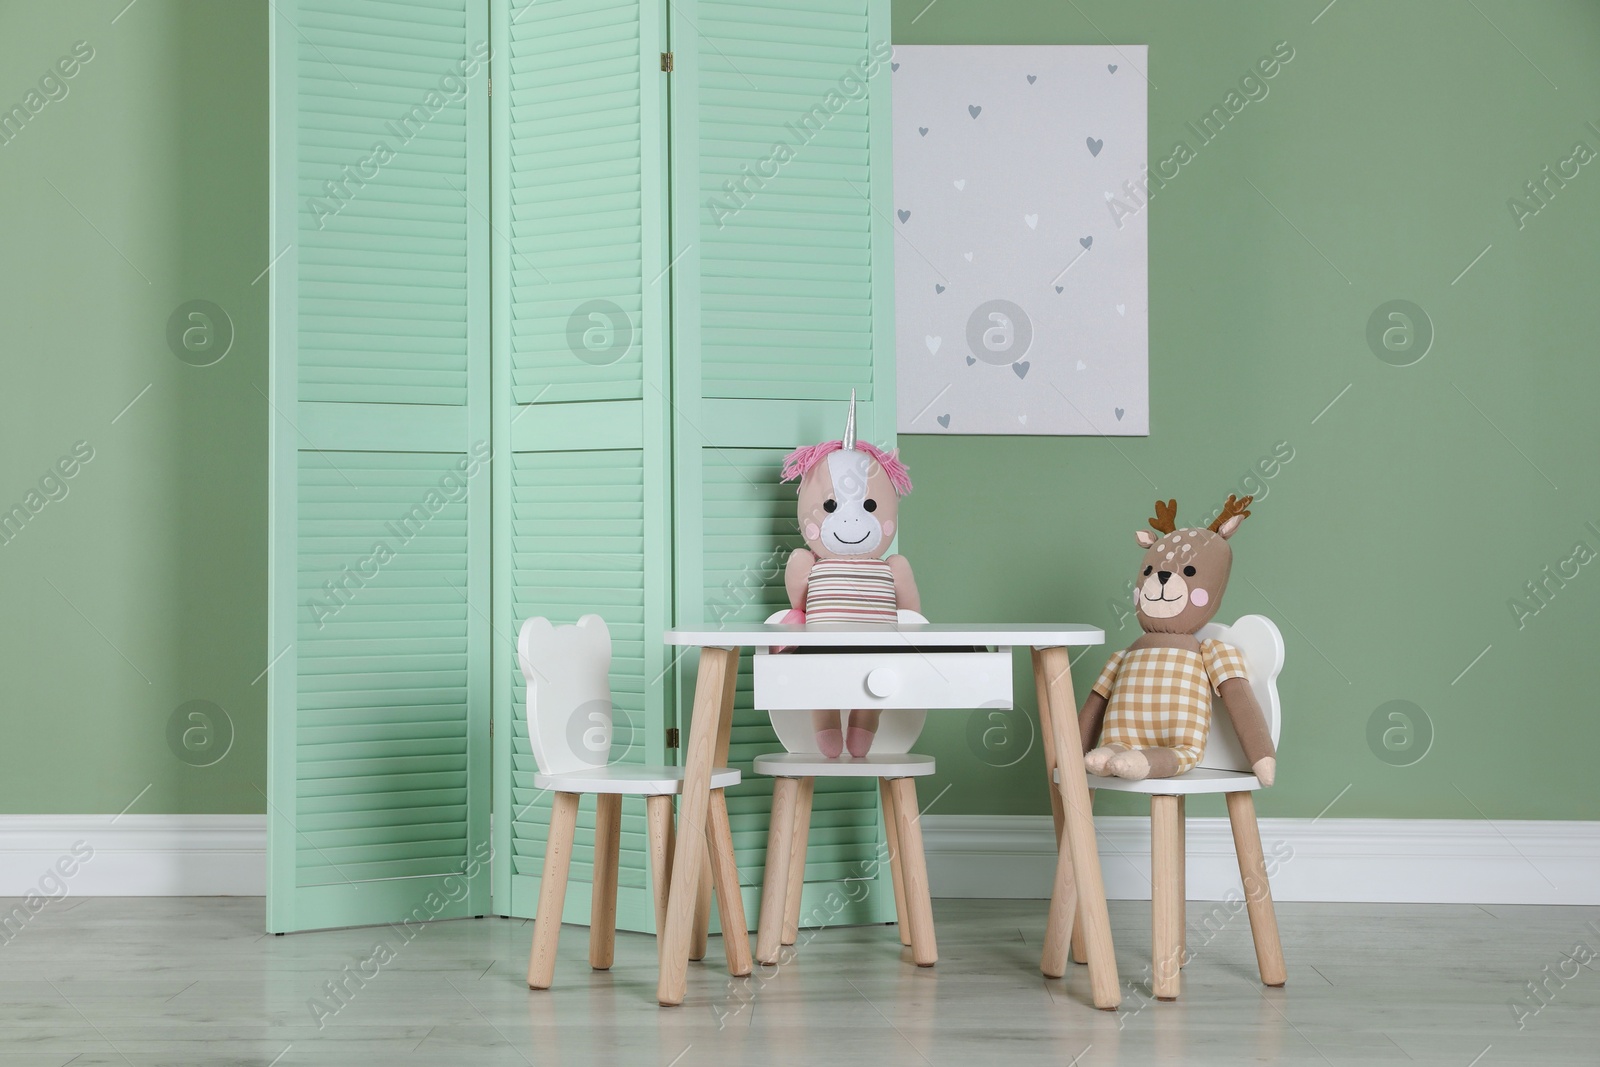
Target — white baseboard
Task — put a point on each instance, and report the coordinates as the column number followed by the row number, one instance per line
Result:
column 1432, row 861
column 134, row 855
column 1361, row 860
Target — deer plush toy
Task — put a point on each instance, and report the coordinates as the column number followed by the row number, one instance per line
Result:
column 849, row 507
column 1150, row 711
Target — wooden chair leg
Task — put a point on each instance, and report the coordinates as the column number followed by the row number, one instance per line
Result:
column 1166, row 902
column 891, row 832
column 1183, row 882
column 603, row 896
column 725, row 874
column 658, row 819
column 552, row 890
column 1064, row 918
column 1257, row 891
column 775, row 882
column 797, row 860
column 914, row 872
column 700, row 938
column 1080, row 950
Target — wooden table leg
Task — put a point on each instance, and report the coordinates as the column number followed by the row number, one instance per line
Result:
column 797, row 860
column 603, row 890
column 1080, row 833
column 1257, row 890
column 1080, row 951
column 710, row 705
column 730, row 901
column 914, row 872
column 1047, row 738
column 891, row 832
column 1166, row 900
column 775, row 882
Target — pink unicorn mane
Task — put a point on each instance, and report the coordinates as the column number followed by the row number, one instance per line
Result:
column 801, row 460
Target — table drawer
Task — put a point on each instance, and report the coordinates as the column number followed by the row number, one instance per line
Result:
column 797, row 682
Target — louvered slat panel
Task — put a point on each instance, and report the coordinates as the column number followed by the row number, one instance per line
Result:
column 378, row 561
column 381, row 172
column 368, row 565
column 576, row 201
column 577, row 545
column 775, row 231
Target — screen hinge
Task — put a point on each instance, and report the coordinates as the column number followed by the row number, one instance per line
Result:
column 672, row 737
column 666, row 62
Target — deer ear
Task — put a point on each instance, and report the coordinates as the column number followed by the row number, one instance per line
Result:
column 1144, row 538
column 1230, row 525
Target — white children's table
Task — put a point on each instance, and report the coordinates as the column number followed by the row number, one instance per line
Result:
column 937, row 669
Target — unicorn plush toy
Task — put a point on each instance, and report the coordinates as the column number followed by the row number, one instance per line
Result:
column 849, row 507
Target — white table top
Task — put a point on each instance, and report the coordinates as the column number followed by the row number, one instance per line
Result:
column 912, row 635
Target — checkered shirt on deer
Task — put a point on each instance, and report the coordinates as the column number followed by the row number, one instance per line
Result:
column 1161, row 697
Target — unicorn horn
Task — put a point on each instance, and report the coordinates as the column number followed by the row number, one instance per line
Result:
column 850, row 425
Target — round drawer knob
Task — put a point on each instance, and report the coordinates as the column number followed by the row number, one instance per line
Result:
column 883, row 682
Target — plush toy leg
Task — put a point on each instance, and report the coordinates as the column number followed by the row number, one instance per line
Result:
column 1257, row 891
column 1132, row 764
column 863, row 728
column 553, row 890
column 603, row 890
column 830, row 739
column 1095, row 760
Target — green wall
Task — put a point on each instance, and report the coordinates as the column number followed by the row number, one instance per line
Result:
column 1388, row 548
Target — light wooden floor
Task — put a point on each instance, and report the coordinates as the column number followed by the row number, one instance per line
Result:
column 193, row 981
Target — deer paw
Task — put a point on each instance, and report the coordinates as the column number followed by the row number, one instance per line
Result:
column 1095, row 760
column 1133, row 765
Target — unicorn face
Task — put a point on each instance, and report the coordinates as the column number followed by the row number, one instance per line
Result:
column 848, row 506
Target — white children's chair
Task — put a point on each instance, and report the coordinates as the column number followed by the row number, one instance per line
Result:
column 567, row 669
column 797, row 770
column 1224, row 769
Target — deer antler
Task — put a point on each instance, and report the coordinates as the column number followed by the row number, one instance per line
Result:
column 1166, row 519
column 1234, row 507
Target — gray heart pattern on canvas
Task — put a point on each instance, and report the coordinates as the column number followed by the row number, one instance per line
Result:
column 1059, row 288
column 893, row 67
column 1112, row 67
column 1094, row 145
column 904, row 215
column 1032, row 78
column 1084, row 241
column 1021, row 369
column 971, row 360
column 938, row 288
column 973, row 110
column 1120, row 413
column 923, row 130
column 944, row 420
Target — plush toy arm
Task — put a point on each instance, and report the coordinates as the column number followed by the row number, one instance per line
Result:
column 1250, row 724
column 905, row 584
column 1091, row 719
column 795, row 573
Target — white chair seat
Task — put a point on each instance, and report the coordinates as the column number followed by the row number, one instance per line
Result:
column 872, row 765
column 1198, row 780
column 630, row 780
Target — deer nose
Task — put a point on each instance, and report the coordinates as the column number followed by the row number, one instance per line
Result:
column 1163, row 575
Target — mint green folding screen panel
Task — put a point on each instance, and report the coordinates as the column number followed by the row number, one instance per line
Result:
column 378, row 777
column 781, row 306
column 582, row 442
column 625, row 405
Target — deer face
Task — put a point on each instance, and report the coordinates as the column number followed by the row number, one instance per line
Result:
column 1184, row 572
